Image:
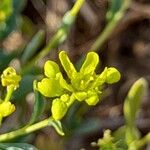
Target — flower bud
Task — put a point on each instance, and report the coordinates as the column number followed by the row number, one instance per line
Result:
column 113, row 75
column 92, row 100
column 6, row 108
column 59, row 109
column 51, row 69
column 10, row 77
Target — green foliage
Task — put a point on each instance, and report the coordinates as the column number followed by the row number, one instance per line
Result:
column 32, row 46
column 115, row 5
column 128, row 137
column 5, row 10
column 38, row 105
column 131, row 108
column 16, row 146
column 84, row 85
column 9, row 16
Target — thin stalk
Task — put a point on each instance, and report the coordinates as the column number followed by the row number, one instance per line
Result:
column 10, row 90
column 143, row 141
column 110, row 26
column 24, row 130
column 74, row 11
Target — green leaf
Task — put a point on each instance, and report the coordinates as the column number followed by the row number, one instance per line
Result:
column 19, row 5
column 57, row 126
column 5, row 59
column 33, row 46
column 131, row 107
column 6, row 8
column 13, row 20
column 16, row 146
column 51, row 69
column 133, row 100
column 67, row 64
column 90, row 63
column 11, row 23
column 38, row 105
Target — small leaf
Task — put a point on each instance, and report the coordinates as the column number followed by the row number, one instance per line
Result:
column 57, row 126
column 5, row 59
column 59, row 109
column 67, row 64
column 16, row 146
column 51, row 69
column 131, row 107
column 33, row 46
column 133, row 100
column 90, row 63
column 38, row 105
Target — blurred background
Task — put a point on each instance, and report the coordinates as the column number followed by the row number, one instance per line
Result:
column 127, row 48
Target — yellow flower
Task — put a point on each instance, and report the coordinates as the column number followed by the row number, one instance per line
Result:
column 10, row 77
column 6, row 108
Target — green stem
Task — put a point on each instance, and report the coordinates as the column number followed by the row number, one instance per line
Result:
column 58, row 38
column 24, row 130
column 143, row 141
column 50, row 45
column 10, row 90
column 110, row 26
column 76, row 7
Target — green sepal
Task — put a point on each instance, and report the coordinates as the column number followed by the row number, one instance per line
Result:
column 113, row 75
column 67, row 64
column 59, row 109
column 90, row 63
column 57, row 126
column 51, row 69
column 50, row 87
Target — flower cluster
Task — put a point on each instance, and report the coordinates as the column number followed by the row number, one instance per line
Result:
column 9, row 79
column 84, row 85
